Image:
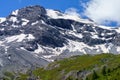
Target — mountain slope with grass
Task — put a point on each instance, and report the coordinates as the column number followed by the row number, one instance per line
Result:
column 85, row 67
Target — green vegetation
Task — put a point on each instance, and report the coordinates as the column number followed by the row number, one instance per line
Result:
column 85, row 67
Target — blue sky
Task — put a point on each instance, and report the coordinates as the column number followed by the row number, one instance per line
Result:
column 6, row 6
column 106, row 13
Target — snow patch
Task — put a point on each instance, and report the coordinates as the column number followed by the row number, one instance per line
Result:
column 95, row 36
column 79, row 35
column 105, row 27
column 13, row 19
column 2, row 29
column 73, row 28
column 15, row 12
column 6, row 49
column 39, row 50
column 58, row 15
column 22, row 48
column 19, row 38
column 118, row 49
column 2, row 19
column 25, row 21
column 43, row 22
column 1, row 62
column 48, row 59
column 118, row 30
column 30, row 37
column 34, row 23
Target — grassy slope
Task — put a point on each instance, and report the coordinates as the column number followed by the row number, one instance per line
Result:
column 97, row 67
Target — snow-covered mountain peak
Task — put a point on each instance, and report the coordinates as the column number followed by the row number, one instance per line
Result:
column 35, row 36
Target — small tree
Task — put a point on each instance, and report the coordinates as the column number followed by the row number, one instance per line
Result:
column 104, row 71
column 108, row 71
column 94, row 75
column 86, row 78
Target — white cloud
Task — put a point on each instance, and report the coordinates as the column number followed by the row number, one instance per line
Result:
column 72, row 11
column 103, row 11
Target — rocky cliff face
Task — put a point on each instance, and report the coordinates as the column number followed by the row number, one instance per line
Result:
column 34, row 36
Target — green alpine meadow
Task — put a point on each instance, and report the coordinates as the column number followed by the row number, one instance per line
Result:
column 84, row 67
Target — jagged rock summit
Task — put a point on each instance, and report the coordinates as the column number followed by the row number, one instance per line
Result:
column 34, row 36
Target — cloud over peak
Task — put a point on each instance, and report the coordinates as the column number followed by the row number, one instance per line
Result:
column 72, row 11
column 103, row 11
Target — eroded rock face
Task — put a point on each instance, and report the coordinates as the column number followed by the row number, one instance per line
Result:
column 116, row 40
column 31, row 12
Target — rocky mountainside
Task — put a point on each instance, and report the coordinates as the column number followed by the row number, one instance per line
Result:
column 34, row 36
